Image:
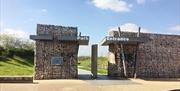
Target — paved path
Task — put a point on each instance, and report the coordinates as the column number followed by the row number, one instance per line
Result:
column 81, row 71
column 91, row 85
column 84, row 74
column 87, row 75
column 99, row 84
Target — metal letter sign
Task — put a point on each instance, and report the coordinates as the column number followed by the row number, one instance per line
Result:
column 57, row 61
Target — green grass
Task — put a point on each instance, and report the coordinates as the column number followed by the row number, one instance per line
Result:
column 24, row 65
column 16, row 66
column 85, row 63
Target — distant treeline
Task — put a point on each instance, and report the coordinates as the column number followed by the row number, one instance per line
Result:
column 88, row 57
column 84, row 57
column 11, row 46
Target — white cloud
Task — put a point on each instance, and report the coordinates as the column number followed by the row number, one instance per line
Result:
column 129, row 27
column 175, row 28
column 140, row 1
column 14, row 32
column 114, row 5
column 44, row 10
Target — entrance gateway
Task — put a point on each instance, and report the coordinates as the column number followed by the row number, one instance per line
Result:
column 143, row 55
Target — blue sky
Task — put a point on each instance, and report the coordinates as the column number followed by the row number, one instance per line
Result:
column 92, row 17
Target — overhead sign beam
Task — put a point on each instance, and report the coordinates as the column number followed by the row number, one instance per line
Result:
column 123, row 40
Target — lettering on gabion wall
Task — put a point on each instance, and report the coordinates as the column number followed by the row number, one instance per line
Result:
column 118, row 38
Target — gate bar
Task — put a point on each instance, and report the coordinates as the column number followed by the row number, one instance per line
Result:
column 122, row 53
column 135, row 59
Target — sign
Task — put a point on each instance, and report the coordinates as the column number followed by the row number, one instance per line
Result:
column 118, row 38
column 123, row 40
column 57, row 61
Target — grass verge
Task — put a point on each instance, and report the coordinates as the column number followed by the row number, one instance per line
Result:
column 85, row 63
column 16, row 66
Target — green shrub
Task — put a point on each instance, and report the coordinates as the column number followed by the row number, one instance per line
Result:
column 1, row 50
column 18, row 52
column 22, row 52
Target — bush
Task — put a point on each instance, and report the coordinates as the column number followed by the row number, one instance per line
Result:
column 24, row 52
column 1, row 50
column 21, row 52
column 10, row 53
column 18, row 52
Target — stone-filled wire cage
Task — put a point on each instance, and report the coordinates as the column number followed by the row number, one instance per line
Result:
column 56, row 51
column 146, row 55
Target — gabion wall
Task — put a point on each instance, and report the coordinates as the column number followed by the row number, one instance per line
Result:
column 157, row 58
column 45, row 50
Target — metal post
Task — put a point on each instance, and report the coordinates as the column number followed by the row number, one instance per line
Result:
column 119, row 29
column 94, row 57
column 136, row 51
column 139, row 30
column 135, row 60
column 123, row 60
column 79, row 33
column 122, row 54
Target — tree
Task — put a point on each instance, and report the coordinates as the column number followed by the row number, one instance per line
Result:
column 7, row 41
column 15, row 46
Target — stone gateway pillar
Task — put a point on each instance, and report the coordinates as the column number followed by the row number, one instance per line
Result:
column 94, row 58
column 57, row 51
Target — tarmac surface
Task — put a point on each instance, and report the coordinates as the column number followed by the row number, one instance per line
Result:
column 85, row 83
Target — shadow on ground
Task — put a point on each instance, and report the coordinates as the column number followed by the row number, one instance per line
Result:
column 104, row 80
column 174, row 90
column 100, row 77
column 163, row 79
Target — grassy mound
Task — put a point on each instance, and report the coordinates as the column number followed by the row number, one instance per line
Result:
column 16, row 66
column 19, row 66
